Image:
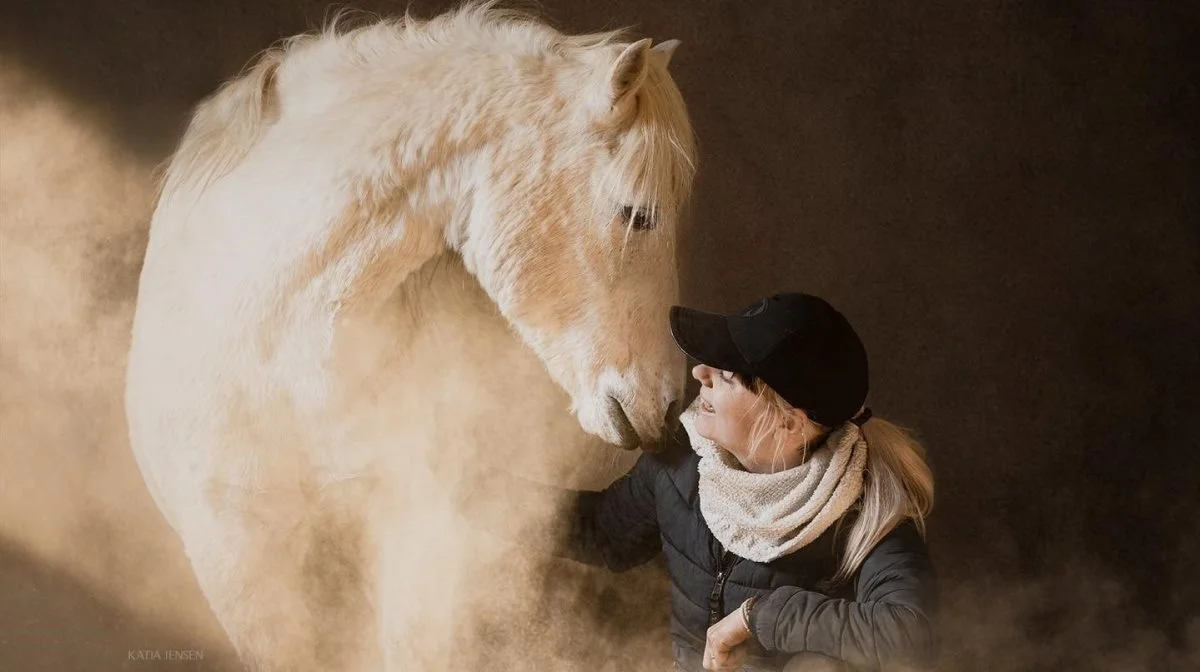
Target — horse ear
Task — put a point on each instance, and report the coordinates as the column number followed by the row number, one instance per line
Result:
column 665, row 50
column 628, row 73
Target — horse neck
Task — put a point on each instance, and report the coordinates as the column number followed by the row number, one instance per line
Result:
column 432, row 366
column 416, row 196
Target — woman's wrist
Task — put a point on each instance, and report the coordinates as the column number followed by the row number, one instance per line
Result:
column 746, row 608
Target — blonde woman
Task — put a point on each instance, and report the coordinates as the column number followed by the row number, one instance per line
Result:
column 793, row 524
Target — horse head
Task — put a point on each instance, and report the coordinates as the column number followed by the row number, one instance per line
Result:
column 573, row 232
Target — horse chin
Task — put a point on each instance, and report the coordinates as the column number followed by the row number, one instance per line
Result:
column 608, row 420
column 627, row 436
column 605, row 418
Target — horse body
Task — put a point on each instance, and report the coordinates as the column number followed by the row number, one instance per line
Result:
column 377, row 256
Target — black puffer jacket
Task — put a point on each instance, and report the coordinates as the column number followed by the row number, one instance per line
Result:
column 880, row 620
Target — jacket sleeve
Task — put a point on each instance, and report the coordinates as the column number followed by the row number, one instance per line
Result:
column 618, row 527
column 890, row 624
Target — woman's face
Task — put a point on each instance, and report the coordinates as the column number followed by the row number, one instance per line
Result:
column 728, row 410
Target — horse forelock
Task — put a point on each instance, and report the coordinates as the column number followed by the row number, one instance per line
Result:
column 654, row 156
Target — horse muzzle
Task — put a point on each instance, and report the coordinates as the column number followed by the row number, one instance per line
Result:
column 628, row 437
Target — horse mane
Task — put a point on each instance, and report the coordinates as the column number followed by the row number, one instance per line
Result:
column 224, row 126
column 227, row 125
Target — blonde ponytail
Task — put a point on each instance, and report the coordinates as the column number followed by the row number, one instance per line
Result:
column 898, row 485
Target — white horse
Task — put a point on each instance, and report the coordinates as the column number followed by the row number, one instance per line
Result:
column 380, row 254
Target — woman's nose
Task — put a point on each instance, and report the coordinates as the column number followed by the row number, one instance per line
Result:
column 702, row 373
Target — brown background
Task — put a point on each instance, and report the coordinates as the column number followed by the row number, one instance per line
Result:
column 1001, row 195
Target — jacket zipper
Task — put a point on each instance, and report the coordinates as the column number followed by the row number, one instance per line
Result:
column 716, row 598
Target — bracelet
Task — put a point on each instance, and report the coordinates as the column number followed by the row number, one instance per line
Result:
column 746, row 607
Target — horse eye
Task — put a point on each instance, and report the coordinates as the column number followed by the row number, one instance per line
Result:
column 639, row 219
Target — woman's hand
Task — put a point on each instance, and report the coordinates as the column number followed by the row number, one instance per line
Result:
column 724, row 647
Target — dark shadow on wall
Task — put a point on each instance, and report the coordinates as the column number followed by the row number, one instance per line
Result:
column 142, row 64
column 50, row 622
column 1000, row 194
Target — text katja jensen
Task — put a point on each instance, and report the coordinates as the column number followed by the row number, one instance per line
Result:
column 165, row 654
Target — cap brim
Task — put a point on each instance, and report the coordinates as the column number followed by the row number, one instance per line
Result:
column 705, row 338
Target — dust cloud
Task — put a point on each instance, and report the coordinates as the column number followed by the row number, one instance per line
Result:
column 1074, row 617
column 474, row 513
column 79, row 532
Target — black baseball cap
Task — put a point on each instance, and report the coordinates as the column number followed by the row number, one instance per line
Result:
column 798, row 344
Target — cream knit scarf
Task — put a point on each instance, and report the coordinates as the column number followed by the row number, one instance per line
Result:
column 766, row 516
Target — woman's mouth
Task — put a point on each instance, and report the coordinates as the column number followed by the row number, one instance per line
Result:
column 705, row 407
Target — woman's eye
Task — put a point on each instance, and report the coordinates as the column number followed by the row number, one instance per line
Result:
column 638, row 219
